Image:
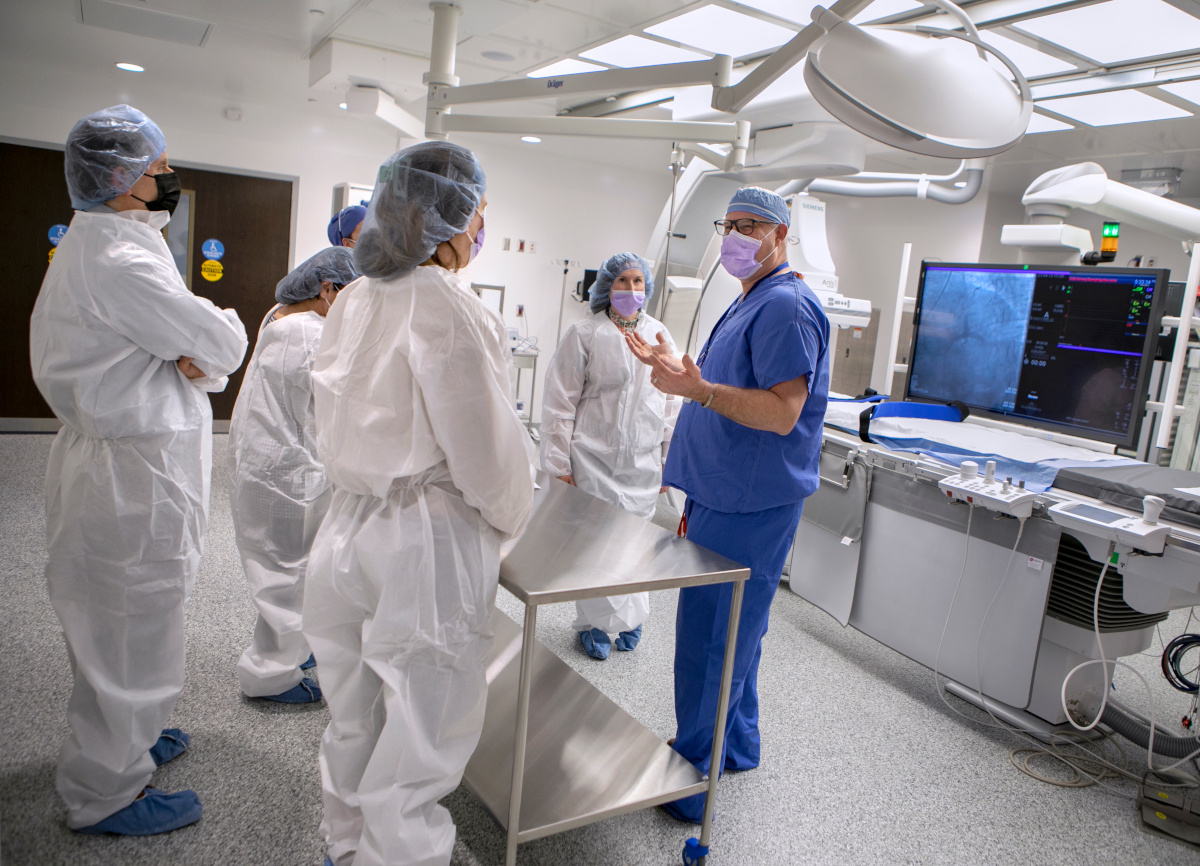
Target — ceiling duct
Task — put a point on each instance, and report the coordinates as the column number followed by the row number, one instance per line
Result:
column 140, row 21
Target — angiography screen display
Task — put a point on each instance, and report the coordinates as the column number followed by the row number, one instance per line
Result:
column 1055, row 347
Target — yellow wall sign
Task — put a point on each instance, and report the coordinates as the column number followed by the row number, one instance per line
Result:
column 212, row 270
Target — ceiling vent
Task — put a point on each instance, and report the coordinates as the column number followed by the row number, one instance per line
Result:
column 1156, row 181
column 140, row 21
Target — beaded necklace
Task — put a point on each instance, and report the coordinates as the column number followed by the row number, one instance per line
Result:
column 622, row 325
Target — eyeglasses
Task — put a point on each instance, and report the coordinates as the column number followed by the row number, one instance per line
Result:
column 743, row 226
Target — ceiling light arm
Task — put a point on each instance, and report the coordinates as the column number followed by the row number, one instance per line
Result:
column 716, row 72
column 734, row 99
column 956, row 11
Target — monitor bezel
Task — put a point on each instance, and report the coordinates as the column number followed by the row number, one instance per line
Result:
column 1163, row 276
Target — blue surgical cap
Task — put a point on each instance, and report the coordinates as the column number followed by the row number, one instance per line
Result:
column 345, row 222
column 425, row 194
column 763, row 202
column 608, row 273
column 107, row 152
column 335, row 264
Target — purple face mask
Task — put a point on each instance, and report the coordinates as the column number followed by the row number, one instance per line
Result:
column 476, row 245
column 739, row 255
column 627, row 303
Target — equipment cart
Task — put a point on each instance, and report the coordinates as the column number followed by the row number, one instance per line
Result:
column 577, row 757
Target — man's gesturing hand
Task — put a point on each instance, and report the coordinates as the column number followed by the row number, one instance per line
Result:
column 667, row 373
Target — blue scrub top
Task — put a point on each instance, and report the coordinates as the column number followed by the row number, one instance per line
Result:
column 776, row 333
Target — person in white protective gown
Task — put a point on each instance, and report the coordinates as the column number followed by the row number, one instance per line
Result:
column 278, row 491
column 124, row 354
column 431, row 470
column 606, row 429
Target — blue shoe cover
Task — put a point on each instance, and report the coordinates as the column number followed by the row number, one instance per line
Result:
column 679, row 814
column 156, row 812
column 304, row 692
column 170, row 746
column 328, row 862
column 597, row 643
column 627, row 640
column 311, row 663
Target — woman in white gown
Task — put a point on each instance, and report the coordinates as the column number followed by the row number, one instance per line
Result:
column 278, row 490
column 606, row 429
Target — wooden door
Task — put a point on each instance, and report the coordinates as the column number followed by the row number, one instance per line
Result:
column 250, row 216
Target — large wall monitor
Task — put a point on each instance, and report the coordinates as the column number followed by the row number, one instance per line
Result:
column 1065, row 348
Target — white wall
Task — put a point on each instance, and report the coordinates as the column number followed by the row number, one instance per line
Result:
column 867, row 237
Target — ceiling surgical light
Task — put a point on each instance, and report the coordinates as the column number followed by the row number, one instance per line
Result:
column 918, row 93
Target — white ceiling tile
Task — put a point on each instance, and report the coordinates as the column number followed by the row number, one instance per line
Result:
column 1189, row 90
column 722, row 31
column 629, row 51
column 627, row 13
column 1118, row 30
column 564, row 67
column 556, row 29
column 1110, row 109
column 884, row 9
column 799, row 11
column 1030, row 61
column 1041, row 123
column 494, row 53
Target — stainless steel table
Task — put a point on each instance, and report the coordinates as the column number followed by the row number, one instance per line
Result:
column 586, row 759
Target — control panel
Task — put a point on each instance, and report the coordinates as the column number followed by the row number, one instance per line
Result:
column 987, row 492
column 1140, row 533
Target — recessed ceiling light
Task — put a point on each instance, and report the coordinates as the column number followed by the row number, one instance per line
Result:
column 342, row 106
column 1109, row 109
column 531, row 139
column 130, row 67
column 1189, row 90
column 1030, row 61
column 498, row 56
column 721, row 31
column 564, row 67
column 631, row 51
column 885, row 8
column 1042, row 123
column 1118, row 30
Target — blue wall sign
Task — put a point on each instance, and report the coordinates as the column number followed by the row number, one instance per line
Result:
column 56, row 234
column 212, row 249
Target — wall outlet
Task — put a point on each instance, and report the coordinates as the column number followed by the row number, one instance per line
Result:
column 507, row 245
column 520, row 310
column 521, row 246
column 532, row 247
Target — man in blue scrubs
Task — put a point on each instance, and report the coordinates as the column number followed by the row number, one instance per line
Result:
column 746, row 451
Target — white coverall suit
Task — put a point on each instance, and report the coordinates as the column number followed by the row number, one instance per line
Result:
column 126, row 486
column 278, row 493
column 604, row 424
column 431, row 473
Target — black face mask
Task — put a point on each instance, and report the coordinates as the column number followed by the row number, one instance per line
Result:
column 168, row 193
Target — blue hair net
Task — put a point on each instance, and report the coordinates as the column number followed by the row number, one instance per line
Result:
column 107, row 152
column 613, row 268
column 335, row 264
column 425, row 194
column 345, row 222
column 762, row 202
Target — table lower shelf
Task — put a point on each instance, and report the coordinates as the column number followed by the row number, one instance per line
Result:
column 586, row 758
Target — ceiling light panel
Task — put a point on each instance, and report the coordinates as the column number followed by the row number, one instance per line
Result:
column 1042, row 123
column 631, row 51
column 884, row 9
column 556, row 29
column 1030, row 61
column 1110, row 109
column 1119, row 30
column 722, row 31
column 799, row 11
column 1189, row 90
column 564, row 67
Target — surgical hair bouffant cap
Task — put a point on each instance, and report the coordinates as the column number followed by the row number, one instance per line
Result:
column 107, row 152
column 608, row 273
column 425, row 194
column 335, row 264
column 761, row 202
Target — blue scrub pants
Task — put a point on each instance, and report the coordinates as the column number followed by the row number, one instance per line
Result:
column 760, row 541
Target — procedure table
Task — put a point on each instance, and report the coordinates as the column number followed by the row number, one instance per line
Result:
column 584, row 757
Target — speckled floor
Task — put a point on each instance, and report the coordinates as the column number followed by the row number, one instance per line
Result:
column 862, row 763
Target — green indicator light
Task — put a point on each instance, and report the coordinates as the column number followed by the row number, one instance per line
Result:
column 1112, row 230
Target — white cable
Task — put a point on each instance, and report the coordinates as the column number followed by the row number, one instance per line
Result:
column 1105, row 682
